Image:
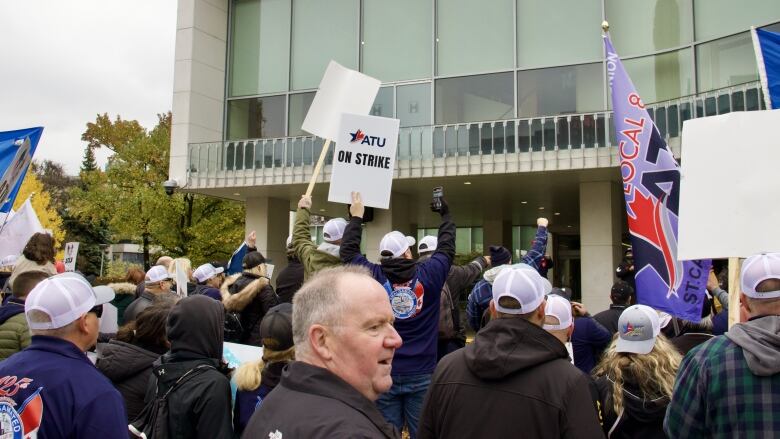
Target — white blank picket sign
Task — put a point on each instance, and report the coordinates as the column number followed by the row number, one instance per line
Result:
column 341, row 91
column 729, row 187
column 364, row 160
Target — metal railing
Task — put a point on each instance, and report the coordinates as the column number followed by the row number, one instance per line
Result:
column 549, row 133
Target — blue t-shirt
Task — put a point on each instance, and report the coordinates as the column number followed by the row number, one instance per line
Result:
column 52, row 388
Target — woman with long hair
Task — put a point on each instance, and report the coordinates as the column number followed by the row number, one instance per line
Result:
column 254, row 380
column 635, row 377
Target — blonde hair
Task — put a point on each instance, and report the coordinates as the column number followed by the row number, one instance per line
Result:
column 186, row 265
column 248, row 374
column 653, row 372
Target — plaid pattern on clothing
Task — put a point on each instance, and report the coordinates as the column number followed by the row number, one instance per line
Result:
column 716, row 395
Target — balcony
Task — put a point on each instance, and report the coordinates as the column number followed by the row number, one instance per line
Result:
column 575, row 141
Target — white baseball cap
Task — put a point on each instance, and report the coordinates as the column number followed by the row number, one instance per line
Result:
column 757, row 269
column 156, row 274
column 427, row 244
column 333, row 230
column 525, row 286
column 638, row 327
column 206, row 272
column 560, row 308
column 64, row 298
column 395, row 243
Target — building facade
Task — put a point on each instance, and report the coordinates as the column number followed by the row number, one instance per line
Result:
column 502, row 102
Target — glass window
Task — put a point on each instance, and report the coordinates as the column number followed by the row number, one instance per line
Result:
column 383, row 103
column 560, row 90
column 397, row 39
column 260, row 51
column 299, row 106
column 715, row 18
column 323, row 30
column 726, row 62
column 474, row 36
column 639, row 27
column 475, row 98
column 661, row 77
column 414, row 104
column 547, row 37
column 256, row 118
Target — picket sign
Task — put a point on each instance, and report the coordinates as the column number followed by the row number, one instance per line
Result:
column 341, row 91
column 364, row 160
column 71, row 252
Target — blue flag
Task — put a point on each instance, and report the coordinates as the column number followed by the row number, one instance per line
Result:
column 767, row 47
column 651, row 186
column 16, row 151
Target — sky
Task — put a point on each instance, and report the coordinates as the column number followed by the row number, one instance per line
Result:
column 65, row 62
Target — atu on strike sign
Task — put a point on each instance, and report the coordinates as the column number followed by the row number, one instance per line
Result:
column 364, row 160
column 71, row 251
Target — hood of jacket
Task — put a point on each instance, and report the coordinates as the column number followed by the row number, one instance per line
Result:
column 119, row 360
column 123, row 288
column 13, row 307
column 490, row 275
column 760, row 342
column 508, row 345
column 399, row 270
column 331, row 249
column 196, row 326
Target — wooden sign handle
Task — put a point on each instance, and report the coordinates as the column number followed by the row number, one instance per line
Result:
column 318, row 167
column 734, row 267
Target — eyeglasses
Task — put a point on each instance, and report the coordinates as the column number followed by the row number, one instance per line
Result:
column 97, row 310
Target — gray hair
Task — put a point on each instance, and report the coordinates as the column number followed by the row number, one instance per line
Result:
column 38, row 316
column 320, row 301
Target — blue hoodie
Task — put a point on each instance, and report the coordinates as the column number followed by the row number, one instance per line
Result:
column 53, row 388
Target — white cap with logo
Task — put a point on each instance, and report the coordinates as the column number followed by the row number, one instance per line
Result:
column 757, row 269
column 64, row 298
column 560, row 308
column 395, row 244
column 522, row 284
column 427, row 244
column 333, row 230
column 206, row 272
column 638, row 327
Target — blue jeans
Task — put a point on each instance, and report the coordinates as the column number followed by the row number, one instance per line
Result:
column 403, row 402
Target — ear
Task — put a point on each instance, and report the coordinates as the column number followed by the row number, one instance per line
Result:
column 570, row 331
column 540, row 310
column 493, row 312
column 408, row 253
column 82, row 325
column 318, row 340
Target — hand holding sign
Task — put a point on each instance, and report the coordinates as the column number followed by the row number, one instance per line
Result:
column 356, row 208
column 304, row 202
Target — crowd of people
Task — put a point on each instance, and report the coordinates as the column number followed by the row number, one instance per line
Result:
column 360, row 348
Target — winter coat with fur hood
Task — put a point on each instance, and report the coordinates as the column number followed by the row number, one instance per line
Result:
column 252, row 296
column 124, row 296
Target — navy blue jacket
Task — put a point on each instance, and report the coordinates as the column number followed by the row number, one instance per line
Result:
column 55, row 388
column 418, row 326
column 588, row 342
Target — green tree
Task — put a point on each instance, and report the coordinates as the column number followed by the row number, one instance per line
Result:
column 130, row 198
column 88, row 164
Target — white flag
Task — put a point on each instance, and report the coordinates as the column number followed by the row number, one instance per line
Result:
column 18, row 230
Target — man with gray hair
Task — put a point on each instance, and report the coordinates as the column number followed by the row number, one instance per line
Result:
column 344, row 346
column 51, row 389
column 728, row 386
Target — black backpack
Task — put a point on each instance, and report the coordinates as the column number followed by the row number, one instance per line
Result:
column 152, row 423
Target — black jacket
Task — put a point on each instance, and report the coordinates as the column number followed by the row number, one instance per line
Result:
column 143, row 302
column 642, row 418
column 311, row 402
column 253, row 313
column 201, row 406
column 609, row 317
column 289, row 280
column 129, row 368
column 514, row 380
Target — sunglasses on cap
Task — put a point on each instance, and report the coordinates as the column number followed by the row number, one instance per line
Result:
column 97, row 310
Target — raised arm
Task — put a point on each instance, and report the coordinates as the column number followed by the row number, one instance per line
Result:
column 301, row 239
column 538, row 247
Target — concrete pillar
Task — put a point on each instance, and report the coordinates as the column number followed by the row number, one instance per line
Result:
column 398, row 217
column 269, row 218
column 198, row 79
column 600, row 227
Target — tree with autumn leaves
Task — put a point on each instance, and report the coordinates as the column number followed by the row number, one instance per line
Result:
column 129, row 198
column 41, row 202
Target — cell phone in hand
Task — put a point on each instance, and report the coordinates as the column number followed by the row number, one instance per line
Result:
column 438, row 193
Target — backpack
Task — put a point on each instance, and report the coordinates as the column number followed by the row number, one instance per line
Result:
column 447, row 329
column 152, row 423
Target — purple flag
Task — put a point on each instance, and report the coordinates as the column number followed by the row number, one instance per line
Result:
column 651, row 185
